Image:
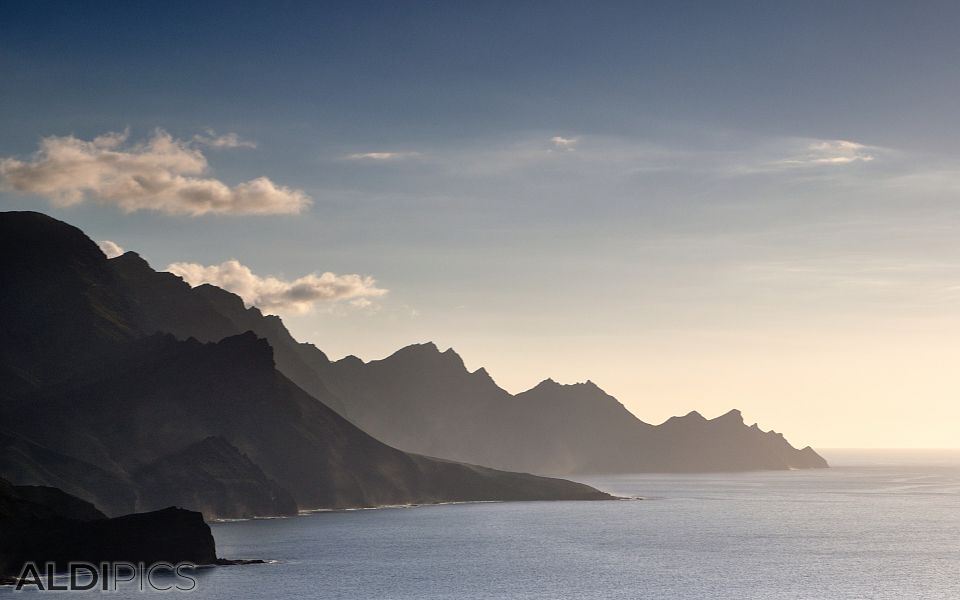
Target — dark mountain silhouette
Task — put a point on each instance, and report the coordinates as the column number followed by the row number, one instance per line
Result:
column 165, row 303
column 423, row 400
column 44, row 524
column 94, row 401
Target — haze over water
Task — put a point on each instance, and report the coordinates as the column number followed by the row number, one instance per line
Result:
column 880, row 524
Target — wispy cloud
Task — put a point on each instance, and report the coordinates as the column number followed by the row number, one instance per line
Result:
column 278, row 295
column 226, row 140
column 382, row 156
column 831, row 152
column 564, row 143
column 161, row 174
column 110, row 249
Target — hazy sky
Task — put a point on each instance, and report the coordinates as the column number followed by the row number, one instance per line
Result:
column 695, row 205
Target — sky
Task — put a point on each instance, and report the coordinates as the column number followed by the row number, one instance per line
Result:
column 696, row 205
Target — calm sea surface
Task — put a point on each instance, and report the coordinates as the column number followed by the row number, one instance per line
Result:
column 877, row 525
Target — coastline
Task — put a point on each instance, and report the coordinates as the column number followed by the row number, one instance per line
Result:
column 315, row 511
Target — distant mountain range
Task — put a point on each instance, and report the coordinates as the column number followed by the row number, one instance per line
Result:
column 423, row 400
column 128, row 388
column 93, row 401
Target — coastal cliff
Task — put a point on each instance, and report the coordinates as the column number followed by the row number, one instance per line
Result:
column 43, row 524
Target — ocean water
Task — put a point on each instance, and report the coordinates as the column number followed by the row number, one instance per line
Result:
column 877, row 525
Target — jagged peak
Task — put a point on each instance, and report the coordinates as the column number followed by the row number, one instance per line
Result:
column 133, row 266
column 419, row 348
column 317, row 351
column 218, row 294
column 427, row 351
column 248, row 344
column 482, row 372
column 732, row 416
column 691, row 417
column 247, row 337
column 350, row 359
column 131, row 259
column 550, row 384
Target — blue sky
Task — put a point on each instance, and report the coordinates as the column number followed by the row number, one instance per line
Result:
column 698, row 205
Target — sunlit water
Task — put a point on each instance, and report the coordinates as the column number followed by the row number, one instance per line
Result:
column 877, row 525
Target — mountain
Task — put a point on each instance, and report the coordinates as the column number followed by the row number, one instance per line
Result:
column 424, row 400
column 97, row 401
column 27, row 462
column 164, row 303
column 193, row 476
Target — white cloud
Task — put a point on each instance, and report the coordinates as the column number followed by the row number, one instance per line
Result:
column 110, row 249
column 226, row 140
column 832, row 152
column 162, row 174
column 382, row 155
column 563, row 143
column 273, row 294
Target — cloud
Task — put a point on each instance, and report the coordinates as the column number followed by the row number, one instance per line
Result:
column 361, row 303
column 382, row 155
column 563, row 143
column 227, row 140
column 832, row 152
column 162, row 174
column 110, row 249
column 275, row 295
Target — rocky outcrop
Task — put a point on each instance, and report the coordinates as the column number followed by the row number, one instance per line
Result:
column 47, row 525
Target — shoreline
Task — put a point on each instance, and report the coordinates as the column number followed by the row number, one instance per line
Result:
column 306, row 512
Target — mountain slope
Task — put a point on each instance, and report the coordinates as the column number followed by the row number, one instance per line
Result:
column 169, row 394
column 102, row 392
column 423, row 400
column 164, row 303
column 213, row 477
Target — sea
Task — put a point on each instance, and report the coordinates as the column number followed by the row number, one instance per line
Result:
column 878, row 525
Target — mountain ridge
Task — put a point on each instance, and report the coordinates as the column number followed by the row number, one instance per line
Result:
column 424, row 400
column 551, row 428
column 110, row 397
